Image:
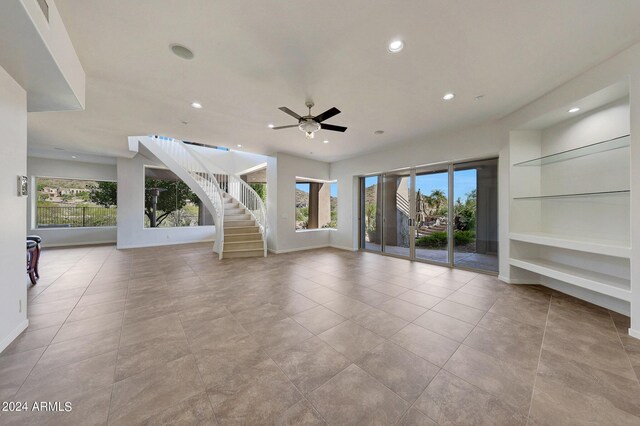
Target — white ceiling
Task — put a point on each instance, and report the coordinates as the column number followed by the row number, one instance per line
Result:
column 252, row 57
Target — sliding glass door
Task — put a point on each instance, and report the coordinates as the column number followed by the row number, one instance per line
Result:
column 441, row 214
column 475, row 223
column 396, row 213
column 431, row 190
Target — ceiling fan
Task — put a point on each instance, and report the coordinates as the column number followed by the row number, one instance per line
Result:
column 310, row 124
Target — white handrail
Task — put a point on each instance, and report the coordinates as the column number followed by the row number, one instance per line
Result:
column 191, row 163
column 239, row 190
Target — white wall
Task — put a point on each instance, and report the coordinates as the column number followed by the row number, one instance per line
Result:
column 287, row 238
column 232, row 161
column 476, row 142
column 46, row 167
column 131, row 231
column 13, row 163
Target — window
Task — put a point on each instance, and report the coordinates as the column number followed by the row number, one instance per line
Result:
column 170, row 203
column 75, row 203
column 316, row 204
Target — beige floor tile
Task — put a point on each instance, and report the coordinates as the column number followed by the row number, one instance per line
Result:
column 508, row 340
column 69, row 381
column 28, row 340
column 303, row 414
column 14, row 369
column 37, row 322
column 444, row 325
column 419, row 298
column 318, row 319
column 354, row 397
column 87, row 312
column 380, row 322
column 402, row 309
column 461, row 312
column 351, row 340
column 556, row 404
column 416, row 418
column 321, row 295
column 192, row 411
column 72, row 330
column 478, row 302
column 152, row 391
column 431, row 346
column 87, row 409
column 452, row 401
column 347, row 307
column 401, row 371
column 280, row 335
column 310, row 364
column 508, row 382
column 263, row 396
column 78, row 349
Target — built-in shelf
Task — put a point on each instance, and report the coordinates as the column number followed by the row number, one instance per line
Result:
column 607, row 248
column 608, row 145
column 616, row 287
column 577, row 194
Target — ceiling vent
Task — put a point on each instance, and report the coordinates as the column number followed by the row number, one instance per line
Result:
column 45, row 8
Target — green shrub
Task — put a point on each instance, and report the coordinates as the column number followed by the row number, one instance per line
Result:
column 438, row 240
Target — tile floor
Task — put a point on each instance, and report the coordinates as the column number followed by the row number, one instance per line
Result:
column 173, row 336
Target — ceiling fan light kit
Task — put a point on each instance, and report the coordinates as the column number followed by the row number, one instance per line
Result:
column 310, row 124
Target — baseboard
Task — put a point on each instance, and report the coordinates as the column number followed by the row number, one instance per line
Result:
column 84, row 243
column 15, row 333
column 515, row 280
column 168, row 243
column 343, row 248
column 634, row 333
column 291, row 250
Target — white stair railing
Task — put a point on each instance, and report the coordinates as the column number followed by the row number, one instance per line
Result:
column 239, row 190
column 176, row 152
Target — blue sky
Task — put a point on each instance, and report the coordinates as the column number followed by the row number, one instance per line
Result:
column 464, row 182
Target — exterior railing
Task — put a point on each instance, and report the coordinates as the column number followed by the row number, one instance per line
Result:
column 75, row 216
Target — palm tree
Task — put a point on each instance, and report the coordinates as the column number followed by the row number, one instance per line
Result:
column 437, row 200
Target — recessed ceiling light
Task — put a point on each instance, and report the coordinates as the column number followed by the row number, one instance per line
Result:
column 574, row 109
column 73, row 156
column 479, row 97
column 396, row 45
column 378, row 132
column 449, row 96
column 196, row 105
column 239, row 146
column 271, row 126
column 181, row 51
column 325, row 141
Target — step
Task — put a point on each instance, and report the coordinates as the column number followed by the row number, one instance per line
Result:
column 243, row 245
column 234, row 210
column 234, row 230
column 232, row 254
column 236, row 223
column 244, row 216
column 253, row 236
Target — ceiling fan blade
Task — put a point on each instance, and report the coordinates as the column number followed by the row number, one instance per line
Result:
column 326, row 115
column 291, row 113
column 284, row 127
column 332, row 127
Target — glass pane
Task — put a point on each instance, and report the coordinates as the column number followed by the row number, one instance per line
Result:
column 372, row 213
column 432, row 205
column 475, row 186
column 397, row 213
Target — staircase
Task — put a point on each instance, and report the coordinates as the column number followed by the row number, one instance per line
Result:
column 238, row 212
column 242, row 234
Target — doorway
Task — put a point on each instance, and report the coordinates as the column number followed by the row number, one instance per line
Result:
column 444, row 214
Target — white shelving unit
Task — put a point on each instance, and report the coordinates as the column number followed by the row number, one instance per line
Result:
column 570, row 205
column 606, row 248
